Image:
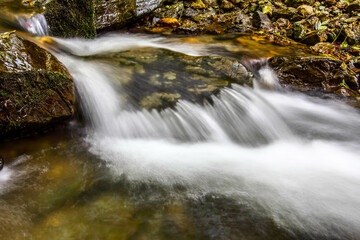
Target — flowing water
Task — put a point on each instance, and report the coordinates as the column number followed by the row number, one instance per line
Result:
column 35, row 24
column 257, row 163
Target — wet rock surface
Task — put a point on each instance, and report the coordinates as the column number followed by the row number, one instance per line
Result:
column 116, row 14
column 334, row 24
column 315, row 73
column 158, row 78
column 36, row 91
column 70, row 18
column 307, row 22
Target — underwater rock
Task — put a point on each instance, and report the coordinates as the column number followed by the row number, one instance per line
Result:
column 36, row 91
column 158, row 78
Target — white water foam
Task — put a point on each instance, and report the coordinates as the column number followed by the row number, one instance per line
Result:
column 121, row 42
column 314, row 187
column 240, row 114
column 5, row 176
column 304, row 170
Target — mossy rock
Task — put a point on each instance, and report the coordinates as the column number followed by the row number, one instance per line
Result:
column 36, row 91
column 71, row 18
column 159, row 77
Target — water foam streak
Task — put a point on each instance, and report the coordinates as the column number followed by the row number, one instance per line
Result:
column 289, row 156
column 35, row 25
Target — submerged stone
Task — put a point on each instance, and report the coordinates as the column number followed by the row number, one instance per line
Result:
column 159, row 77
column 36, row 91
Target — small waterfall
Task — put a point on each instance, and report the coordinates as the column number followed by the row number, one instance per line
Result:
column 287, row 156
column 35, row 25
column 98, row 97
column 238, row 114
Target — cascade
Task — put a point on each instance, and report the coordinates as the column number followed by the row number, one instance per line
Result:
column 260, row 146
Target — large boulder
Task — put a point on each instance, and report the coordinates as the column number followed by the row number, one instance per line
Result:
column 36, row 91
column 71, row 18
column 158, row 78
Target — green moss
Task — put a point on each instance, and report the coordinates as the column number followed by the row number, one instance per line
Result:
column 71, row 18
column 3, row 94
column 56, row 79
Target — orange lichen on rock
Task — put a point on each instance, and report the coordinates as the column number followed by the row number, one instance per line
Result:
column 169, row 22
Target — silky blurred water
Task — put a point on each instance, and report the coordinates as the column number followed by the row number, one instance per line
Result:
column 257, row 163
